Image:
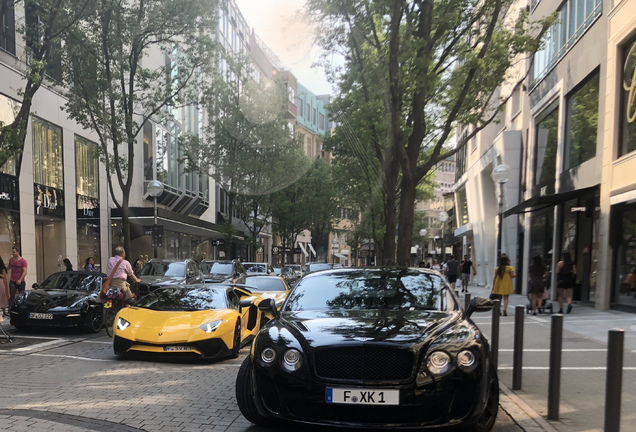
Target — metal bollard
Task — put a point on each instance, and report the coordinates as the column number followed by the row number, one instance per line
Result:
column 517, row 359
column 466, row 301
column 614, row 380
column 494, row 337
column 554, row 377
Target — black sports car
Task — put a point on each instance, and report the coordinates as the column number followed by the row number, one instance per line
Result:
column 65, row 299
column 371, row 348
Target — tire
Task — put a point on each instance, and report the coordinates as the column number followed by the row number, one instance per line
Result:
column 244, row 396
column 109, row 320
column 95, row 319
column 236, row 345
column 488, row 418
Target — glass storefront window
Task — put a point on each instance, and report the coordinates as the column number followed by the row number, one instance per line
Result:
column 462, row 207
column 8, row 110
column 88, row 244
column 47, row 154
column 86, row 167
column 546, row 148
column 627, row 112
column 625, row 279
column 9, row 233
column 582, row 127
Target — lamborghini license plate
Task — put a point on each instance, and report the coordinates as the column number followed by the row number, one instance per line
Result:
column 177, row 348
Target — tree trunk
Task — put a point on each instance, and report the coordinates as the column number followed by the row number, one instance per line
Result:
column 125, row 221
column 405, row 229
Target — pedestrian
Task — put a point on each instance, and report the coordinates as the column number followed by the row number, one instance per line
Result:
column 502, row 283
column 422, row 264
column 67, row 264
column 123, row 272
column 138, row 265
column 17, row 274
column 467, row 265
column 4, row 289
column 452, row 271
column 536, row 282
column 89, row 265
column 566, row 280
column 435, row 265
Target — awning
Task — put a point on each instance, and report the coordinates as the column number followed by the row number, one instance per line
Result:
column 313, row 251
column 341, row 256
column 542, row 202
column 302, row 248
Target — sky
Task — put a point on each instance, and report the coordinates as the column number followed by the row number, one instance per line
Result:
column 280, row 24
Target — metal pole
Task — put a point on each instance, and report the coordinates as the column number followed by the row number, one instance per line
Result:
column 554, row 377
column 443, row 248
column 494, row 338
column 517, row 360
column 500, row 226
column 614, row 380
column 154, row 230
column 466, row 301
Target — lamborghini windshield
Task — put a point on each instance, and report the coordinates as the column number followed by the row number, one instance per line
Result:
column 184, row 299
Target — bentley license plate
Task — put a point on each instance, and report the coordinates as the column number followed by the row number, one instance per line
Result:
column 362, row 396
column 37, row 315
column 176, row 348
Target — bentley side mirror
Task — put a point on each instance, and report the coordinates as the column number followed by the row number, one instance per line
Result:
column 479, row 304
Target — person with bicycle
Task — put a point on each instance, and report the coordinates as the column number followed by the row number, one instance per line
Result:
column 122, row 272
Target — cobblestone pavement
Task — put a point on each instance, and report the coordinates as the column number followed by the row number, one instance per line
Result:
column 73, row 382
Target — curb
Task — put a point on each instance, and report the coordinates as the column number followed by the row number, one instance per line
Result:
column 521, row 413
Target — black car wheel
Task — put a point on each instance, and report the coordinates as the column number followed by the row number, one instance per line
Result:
column 489, row 416
column 245, row 398
column 94, row 319
column 236, row 346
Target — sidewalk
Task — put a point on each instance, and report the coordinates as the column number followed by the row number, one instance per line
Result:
column 583, row 372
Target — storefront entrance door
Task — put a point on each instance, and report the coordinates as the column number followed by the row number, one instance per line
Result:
column 50, row 245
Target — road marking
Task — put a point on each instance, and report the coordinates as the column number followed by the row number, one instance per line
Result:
column 97, row 342
column 564, row 350
column 41, row 345
column 570, row 368
column 71, row 357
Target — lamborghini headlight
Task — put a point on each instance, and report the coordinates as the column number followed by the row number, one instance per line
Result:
column 122, row 324
column 211, row 326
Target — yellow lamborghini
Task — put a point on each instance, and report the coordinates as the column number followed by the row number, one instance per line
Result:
column 210, row 321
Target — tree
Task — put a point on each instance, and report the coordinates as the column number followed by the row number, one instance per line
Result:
column 132, row 62
column 248, row 147
column 47, row 22
column 421, row 67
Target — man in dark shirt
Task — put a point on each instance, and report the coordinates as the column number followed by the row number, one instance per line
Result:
column 452, row 270
column 467, row 265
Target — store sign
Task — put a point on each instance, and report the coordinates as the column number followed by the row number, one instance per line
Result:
column 629, row 83
column 87, row 207
column 48, row 201
column 218, row 242
column 9, row 192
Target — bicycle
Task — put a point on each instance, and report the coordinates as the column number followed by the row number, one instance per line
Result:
column 111, row 308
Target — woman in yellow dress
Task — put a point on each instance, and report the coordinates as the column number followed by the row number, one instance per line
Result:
column 502, row 284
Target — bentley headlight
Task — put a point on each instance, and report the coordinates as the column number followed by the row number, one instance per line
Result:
column 292, row 359
column 466, row 361
column 439, row 363
column 122, row 324
column 268, row 355
column 211, row 326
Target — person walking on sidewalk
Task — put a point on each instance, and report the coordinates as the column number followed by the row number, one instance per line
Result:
column 536, row 283
column 4, row 289
column 467, row 266
column 452, row 270
column 502, row 283
column 566, row 280
column 17, row 274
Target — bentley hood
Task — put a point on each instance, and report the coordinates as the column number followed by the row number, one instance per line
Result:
column 170, row 327
column 322, row 328
column 161, row 280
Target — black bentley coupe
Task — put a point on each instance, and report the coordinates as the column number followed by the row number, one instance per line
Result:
column 371, row 348
column 65, row 299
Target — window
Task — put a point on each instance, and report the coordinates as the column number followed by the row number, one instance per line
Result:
column 300, row 105
column 546, row 148
column 628, row 102
column 583, row 122
column 47, row 154
column 515, row 102
column 308, row 113
column 86, row 167
column 7, row 29
column 314, row 115
column 36, row 30
column 321, row 121
column 8, row 110
column 462, row 206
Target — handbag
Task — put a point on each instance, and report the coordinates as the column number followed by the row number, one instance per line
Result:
column 106, row 283
column 114, row 294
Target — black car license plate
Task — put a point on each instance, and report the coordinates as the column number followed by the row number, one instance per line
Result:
column 362, row 396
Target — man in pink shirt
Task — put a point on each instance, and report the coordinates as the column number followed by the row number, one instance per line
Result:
column 123, row 272
column 17, row 271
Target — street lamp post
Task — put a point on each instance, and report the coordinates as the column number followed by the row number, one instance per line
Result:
column 443, row 217
column 155, row 189
column 423, row 233
column 500, row 175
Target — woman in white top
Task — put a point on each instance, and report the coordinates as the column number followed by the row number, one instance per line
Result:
column 435, row 265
